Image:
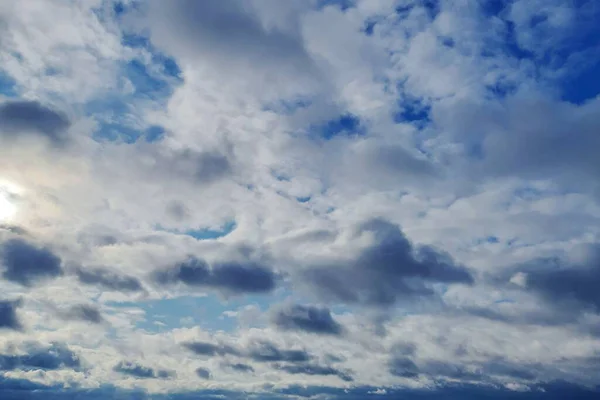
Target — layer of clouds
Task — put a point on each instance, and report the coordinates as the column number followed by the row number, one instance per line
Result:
column 424, row 171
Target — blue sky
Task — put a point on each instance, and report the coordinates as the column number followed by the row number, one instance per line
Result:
column 358, row 199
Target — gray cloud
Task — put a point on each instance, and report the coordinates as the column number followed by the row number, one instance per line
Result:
column 307, row 318
column 314, row 369
column 228, row 277
column 203, row 373
column 202, row 167
column 230, row 33
column 388, row 271
column 209, row 349
column 140, row 371
column 108, row 279
column 265, row 351
column 239, row 367
column 56, row 356
column 8, row 314
column 258, row 351
column 571, row 286
column 403, row 367
column 26, row 264
column 21, row 117
column 84, row 312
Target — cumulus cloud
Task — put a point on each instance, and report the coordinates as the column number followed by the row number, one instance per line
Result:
column 26, row 264
column 108, row 279
column 31, row 117
column 389, row 270
column 567, row 285
column 142, row 372
column 203, row 373
column 231, row 277
column 36, row 357
column 239, row 367
column 312, row 369
column 8, row 314
column 307, row 318
column 84, row 312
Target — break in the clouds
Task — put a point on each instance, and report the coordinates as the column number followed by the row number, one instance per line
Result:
column 273, row 199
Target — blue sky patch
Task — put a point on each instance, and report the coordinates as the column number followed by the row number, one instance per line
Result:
column 344, row 125
column 205, row 233
column 7, row 85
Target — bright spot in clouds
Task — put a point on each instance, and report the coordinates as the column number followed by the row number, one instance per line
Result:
column 7, row 207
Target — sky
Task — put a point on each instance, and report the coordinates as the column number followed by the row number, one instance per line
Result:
column 300, row 199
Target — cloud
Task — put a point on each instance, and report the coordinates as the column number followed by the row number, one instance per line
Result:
column 25, row 117
column 307, row 318
column 57, row 356
column 403, row 367
column 239, row 367
column 389, row 270
column 209, row 349
column 232, row 35
column 142, row 372
column 8, row 315
column 26, row 264
column 570, row 286
column 203, row 373
column 201, row 167
column 264, row 351
column 258, row 351
column 108, row 279
column 231, row 278
column 84, row 312
column 313, row 369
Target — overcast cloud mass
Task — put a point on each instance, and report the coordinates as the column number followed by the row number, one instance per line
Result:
column 325, row 199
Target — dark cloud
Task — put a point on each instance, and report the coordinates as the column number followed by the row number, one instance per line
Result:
column 403, row 367
column 314, row 369
column 228, row 277
column 307, row 318
column 8, row 315
column 258, row 351
column 209, row 349
column 390, row 270
column 84, row 312
column 203, row 373
column 26, row 264
column 57, row 356
column 574, row 287
column 140, row 371
column 199, row 167
column 264, row 351
column 22, row 117
column 239, row 367
column 19, row 389
column 108, row 279
column 230, row 33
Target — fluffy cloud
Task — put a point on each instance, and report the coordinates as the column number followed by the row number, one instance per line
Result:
column 25, row 263
column 387, row 271
column 307, row 318
column 8, row 314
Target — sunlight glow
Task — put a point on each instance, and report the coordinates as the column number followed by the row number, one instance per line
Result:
column 7, row 207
